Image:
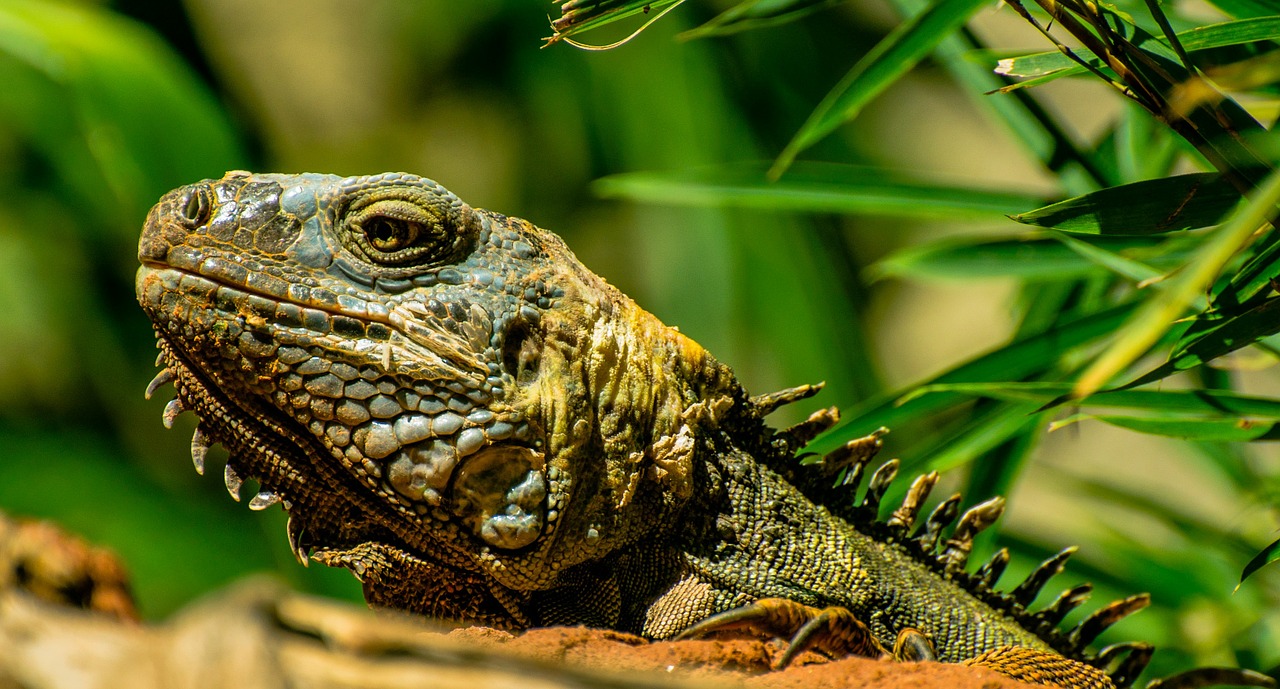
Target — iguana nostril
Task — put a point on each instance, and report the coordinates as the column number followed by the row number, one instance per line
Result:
column 196, row 206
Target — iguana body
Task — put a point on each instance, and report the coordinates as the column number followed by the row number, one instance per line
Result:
column 448, row 403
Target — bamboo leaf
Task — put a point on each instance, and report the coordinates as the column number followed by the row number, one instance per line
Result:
column 1246, row 8
column 1263, row 28
column 1264, row 557
column 1126, row 267
column 1211, row 430
column 1220, row 336
column 1040, row 258
column 1025, row 357
column 1208, row 403
column 1169, row 204
column 892, row 57
column 815, row 187
column 757, row 14
column 982, row 435
column 1256, row 276
column 1155, row 317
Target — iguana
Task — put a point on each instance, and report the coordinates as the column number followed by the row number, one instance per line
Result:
column 449, row 404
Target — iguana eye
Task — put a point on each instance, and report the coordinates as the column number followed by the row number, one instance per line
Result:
column 402, row 230
column 390, row 235
column 396, row 232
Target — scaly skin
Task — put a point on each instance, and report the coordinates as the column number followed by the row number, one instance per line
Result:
column 448, row 403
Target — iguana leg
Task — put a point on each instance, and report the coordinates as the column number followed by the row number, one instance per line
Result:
column 834, row 630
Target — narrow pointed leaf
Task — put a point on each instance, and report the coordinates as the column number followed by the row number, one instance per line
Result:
column 1246, row 8
column 1210, row 430
column 893, row 57
column 1025, row 357
column 1226, row 336
column 1208, row 403
column 1199, row 38
column 1159, row 312
column 1126, row 267
column 577, row 16
column 1170, row 204
column 1041, row 258
column 1265, row 557
column 1259, row 274
column 980, row 436
column 757, row 14
column 816, row 187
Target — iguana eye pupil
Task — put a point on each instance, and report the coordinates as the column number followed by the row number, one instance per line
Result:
column 389, row 235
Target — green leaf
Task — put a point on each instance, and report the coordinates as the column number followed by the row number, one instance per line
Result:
column 1256, row 276
column 1126, row 267
column 757, row 14
column 1161, row 310
column 1264, row 557
column 891, row 58
column 1209, row 403
column 1039, row 258
column 815, row 187
column 1200, row 38
column 1246, row 8
column 1218, row 337
column 1025, row 357
column 1170, row 204
column 988, row 431
column 1213, row 430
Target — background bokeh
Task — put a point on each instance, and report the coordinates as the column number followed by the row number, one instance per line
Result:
column 106, row 105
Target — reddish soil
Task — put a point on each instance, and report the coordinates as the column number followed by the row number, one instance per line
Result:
column 741, row 661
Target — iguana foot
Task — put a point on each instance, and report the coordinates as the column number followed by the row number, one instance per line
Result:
column 833, row 631
column 913, row 646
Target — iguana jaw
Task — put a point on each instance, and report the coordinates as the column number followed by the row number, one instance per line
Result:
column 331, row 520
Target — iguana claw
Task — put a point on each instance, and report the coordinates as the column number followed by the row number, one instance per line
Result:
column 833, row 630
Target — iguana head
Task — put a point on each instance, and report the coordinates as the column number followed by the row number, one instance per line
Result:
column 409, row 373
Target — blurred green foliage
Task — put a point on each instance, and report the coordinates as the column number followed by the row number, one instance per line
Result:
column 809, row 277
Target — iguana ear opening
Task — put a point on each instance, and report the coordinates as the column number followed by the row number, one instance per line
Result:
column 521, row 347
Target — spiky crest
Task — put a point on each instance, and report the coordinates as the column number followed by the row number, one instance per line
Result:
column 949, row 556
